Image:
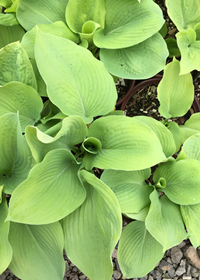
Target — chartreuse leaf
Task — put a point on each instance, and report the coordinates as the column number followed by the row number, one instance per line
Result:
column 164, row 221
column 172, row 47
column 6, row 3
column 13, row 7
column 140, row 216
column 163, row 134
column 191, row 217
column 191, row 126
column 94, row 227
column 16, row 66
column 128, row 23
column 58, row 28
column 129, row 187
column 177, row 133
column 79, row 14
column 72, row 132
column 184, row 13
column 51, row 184
column 140, row 61
column 190, row 148
column 190, row 51
column 127, row 144
column 37, row 251
column 40, row 82
column 5, row 248
column 70, row 77
column 138, row 251
column 175, row 92
column 181, row 180
column 10, row 34
column 35, row 12
column 17, row 97
column 15, row 155
column 8, row 19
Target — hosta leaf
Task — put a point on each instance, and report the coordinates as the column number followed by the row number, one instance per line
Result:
column 70, row 77
column 164, row 221
column 191, row 217
column 5, row 248
column 36, row 12
column 6, row 3
column 182, row 180
column 190, row 148
column 120, row 150
column 138, row 251
column 37, row 251
column 184, row 13
column 175, row 92
column 94, row 227
column 163, row 134
column 140, row 61
column 127, row 144
column 79, row 12
column 10, row 34
column 51, row 184
column 16, row 66
column 191, row 126
column 172, row 47
column 72, row 132
column 129, row 187
column 42, row 89
column 15, row 155
column 128, row 23
column 190, row 51
column 176, row 131
column 58, row 28
column 17, row 97
column 140, row 216
column 8, row 19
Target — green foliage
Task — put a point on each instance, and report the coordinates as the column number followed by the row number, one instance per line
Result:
column 59, row 128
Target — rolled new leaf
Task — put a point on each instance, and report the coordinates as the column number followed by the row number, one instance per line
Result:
column 92, row 145
column 138, row 251
column 182, row 180
column 37, row 250
column 175, row 92
column 51, row 184
column 94, row 227
column 127, row 144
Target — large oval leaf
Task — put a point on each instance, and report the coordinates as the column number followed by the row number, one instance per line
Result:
column 37, row 251
column 5, row 248
column 17, row 97
column 70, row 77
column 191, row 126
column 93, row 229
column 184, row 13
column 175, row 92
column 182, row 180
column 128, row 23
column 164, row 221
column 36, row 12
column 129, row 187
column 140, row 61
column 138, row 251
column 51, row 184
column 127, row 144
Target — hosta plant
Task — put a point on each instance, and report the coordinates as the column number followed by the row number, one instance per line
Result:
column 59, row 129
